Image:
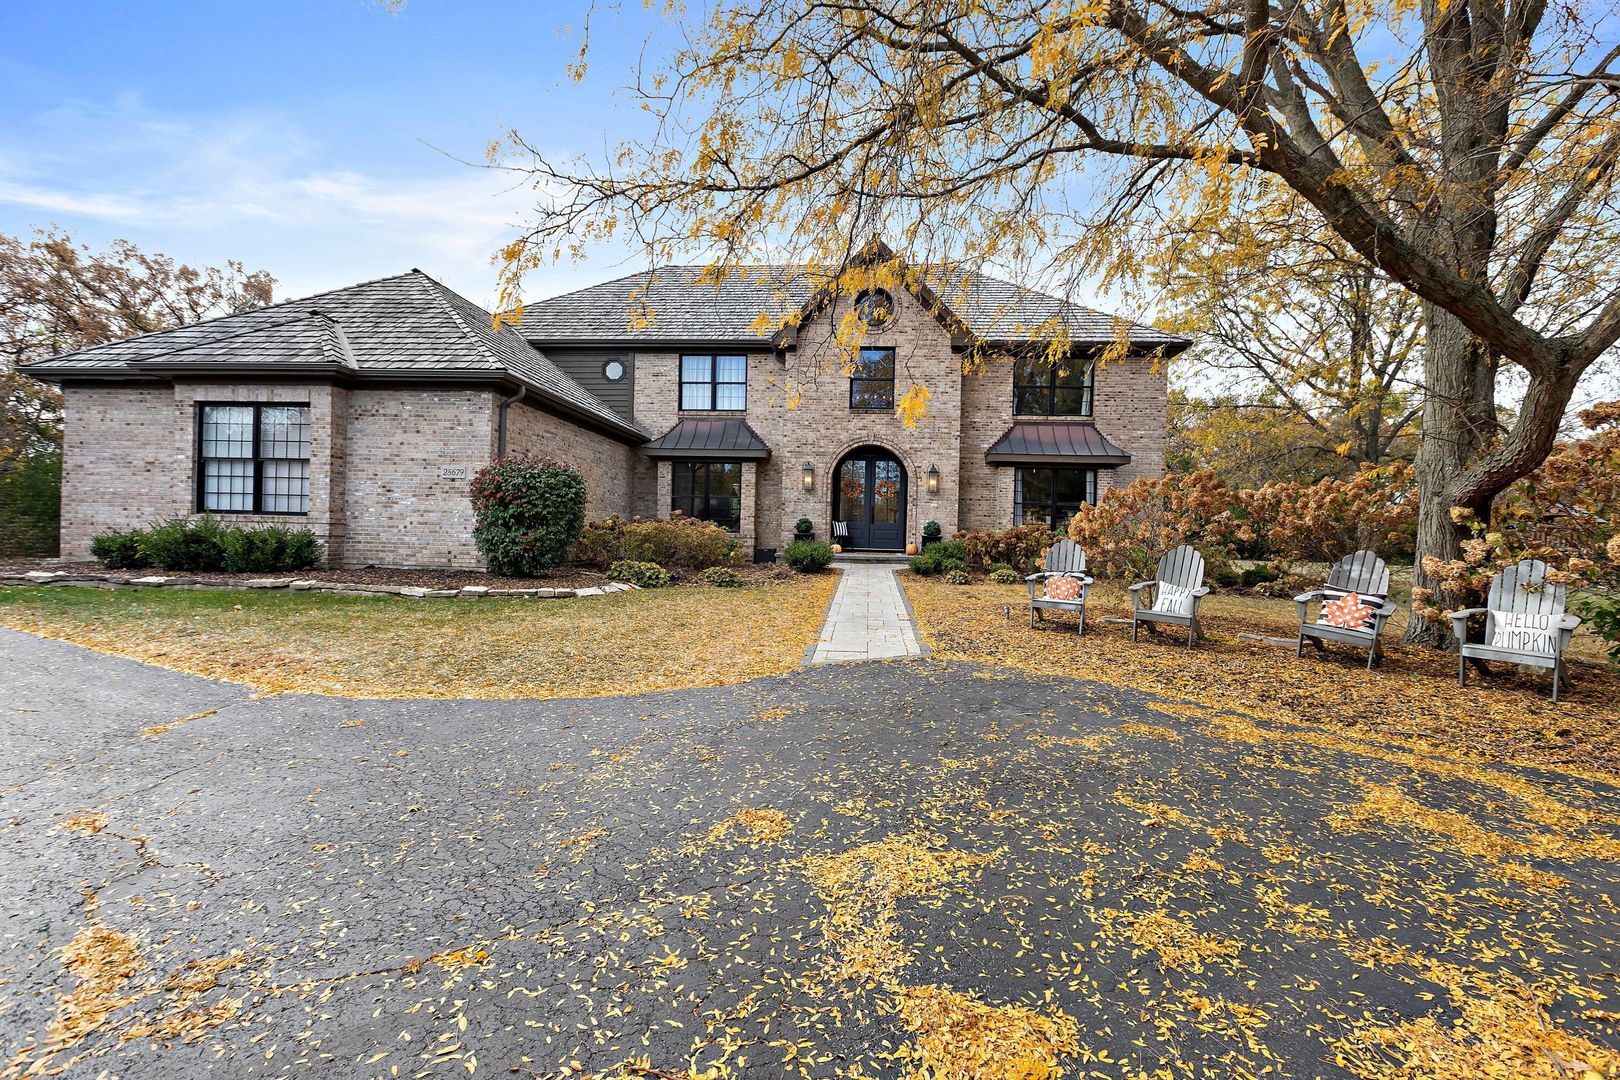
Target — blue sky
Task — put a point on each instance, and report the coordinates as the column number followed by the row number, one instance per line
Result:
column 304, row 137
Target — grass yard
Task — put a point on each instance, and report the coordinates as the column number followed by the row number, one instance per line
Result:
column 392, row 648
column 1411, row 697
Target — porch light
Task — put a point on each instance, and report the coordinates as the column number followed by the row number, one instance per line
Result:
column 809, row 473
column 933, row 480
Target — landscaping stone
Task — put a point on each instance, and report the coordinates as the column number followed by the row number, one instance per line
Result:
column 268, row 583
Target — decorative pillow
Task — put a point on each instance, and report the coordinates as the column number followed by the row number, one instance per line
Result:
column 1065, row 587
column 1172, row 599
column 1348, row 612
column 1523, row 632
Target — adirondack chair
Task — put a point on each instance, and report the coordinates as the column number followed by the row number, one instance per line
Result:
column 1528, row 610
column 1181, row 568
column 1364, row 574
column 1063, row 559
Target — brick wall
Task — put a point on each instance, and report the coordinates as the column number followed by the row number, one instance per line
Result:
column 821, row 428
column 1131, row 407
column 608, row 466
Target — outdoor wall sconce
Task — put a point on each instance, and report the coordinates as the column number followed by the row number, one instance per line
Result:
column 809, row 473
column 933, row 480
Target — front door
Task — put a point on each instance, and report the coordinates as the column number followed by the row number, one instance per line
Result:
column 872, row 500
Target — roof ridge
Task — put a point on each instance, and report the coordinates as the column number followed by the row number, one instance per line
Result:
column 439, row 289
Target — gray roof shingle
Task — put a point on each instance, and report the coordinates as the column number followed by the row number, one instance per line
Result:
column 401, row 325
column 684, row 306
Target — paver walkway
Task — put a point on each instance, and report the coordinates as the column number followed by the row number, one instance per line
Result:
column 868, row 619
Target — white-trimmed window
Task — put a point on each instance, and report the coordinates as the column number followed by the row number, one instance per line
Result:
column 253, row 459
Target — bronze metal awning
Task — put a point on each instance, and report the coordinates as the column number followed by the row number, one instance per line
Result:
column 722, row 439
column 1055, row 443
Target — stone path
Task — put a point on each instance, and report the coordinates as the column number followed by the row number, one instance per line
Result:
column 868, row 620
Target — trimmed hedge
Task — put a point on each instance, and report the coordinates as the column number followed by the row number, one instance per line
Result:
column 527, row 514
column 678, row 541
column 207, row 544
column 808, row 556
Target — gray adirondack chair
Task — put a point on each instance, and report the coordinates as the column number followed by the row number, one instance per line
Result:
column 1524, row 591
column 1063, row 558
column 1364, row 574
column 1182, row 567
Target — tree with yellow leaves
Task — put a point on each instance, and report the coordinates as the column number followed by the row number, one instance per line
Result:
column 1465, row 149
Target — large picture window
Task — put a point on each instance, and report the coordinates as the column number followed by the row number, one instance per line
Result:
column 708, row 490
column 871, row 381
column 711, row 383
column 253, row 459
column 1051, row 496
column 1043, row 389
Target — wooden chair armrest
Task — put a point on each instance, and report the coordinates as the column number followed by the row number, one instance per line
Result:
column 1460, row 616
column 1568, row 622
column 1307, row 597
column 1037, row 575
column 1142, row 585
column 1202, row 590
column 1386, row 609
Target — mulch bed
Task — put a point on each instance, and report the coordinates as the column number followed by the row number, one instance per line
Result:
column 564, row 577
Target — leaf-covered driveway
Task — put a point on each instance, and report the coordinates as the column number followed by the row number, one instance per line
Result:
column 906, row 869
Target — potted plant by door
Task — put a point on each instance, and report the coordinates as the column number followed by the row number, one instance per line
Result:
column 804, row 530
column 932, row 534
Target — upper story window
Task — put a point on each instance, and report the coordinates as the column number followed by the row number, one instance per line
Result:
column 1042, row 389
column 875, row 308
column 253, row 459
column 871, row 381
column 714, row 382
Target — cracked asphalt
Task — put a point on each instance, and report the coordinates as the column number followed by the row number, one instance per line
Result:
column 194, row 881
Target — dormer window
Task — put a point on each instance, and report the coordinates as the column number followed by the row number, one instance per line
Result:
column 1041, row 388
column 875, row 308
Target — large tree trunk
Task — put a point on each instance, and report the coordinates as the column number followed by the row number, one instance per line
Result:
column 1459, row 421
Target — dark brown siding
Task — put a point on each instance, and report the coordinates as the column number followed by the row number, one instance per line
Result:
column 584, row 366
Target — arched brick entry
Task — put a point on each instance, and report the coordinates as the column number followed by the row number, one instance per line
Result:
column 870, row 495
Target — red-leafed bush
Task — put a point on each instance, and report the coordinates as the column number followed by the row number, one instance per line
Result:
column 1129, row 528
column 1323, row 522
column 527, row 513
column 1022, row 547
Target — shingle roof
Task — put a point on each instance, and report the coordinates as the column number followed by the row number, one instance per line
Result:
column 1055, row 443
column 402, row 325
column 720, row 437
column 686, row 307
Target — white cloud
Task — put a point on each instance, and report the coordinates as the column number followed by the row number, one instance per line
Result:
column 253, row 187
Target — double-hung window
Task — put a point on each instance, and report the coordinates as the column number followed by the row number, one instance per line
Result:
column 714, row 382
column 253, row 459
column 871, row 380
column 1044, row 389
column 1051, row 496
column 709, row 491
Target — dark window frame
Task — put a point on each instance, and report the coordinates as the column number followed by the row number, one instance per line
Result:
column 858, row 381
column 713, row 382
column 1034, row 376
column 704, row 500
column 200, row 487
column 1049, row 501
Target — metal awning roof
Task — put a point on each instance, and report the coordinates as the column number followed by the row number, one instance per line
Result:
column 1055, row 443
column 723, row 438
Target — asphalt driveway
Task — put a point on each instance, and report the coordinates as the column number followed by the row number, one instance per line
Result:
column 857, row 870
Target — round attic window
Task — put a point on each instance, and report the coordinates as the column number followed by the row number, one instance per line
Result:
column 874, row 307
column 613, row 370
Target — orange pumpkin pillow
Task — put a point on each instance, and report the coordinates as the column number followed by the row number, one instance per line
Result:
column 1066, row 587
column 1348, row 612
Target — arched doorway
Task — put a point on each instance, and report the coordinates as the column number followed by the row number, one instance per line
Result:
column 870, row 499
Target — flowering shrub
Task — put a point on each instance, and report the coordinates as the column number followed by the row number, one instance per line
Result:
column 1022, row 547
column 677, row 541
column 527, row 513
column 1325, row 521
column 1129, row 528
column 1564, row 514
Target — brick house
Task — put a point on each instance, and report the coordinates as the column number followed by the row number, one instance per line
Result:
column 361, row 413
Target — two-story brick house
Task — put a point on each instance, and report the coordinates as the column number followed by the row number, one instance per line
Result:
column 361, row 413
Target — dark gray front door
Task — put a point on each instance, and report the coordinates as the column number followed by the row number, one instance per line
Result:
column 872, row 500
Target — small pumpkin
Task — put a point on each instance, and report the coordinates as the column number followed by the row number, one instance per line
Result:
column 911, row 548
column 838, row 549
